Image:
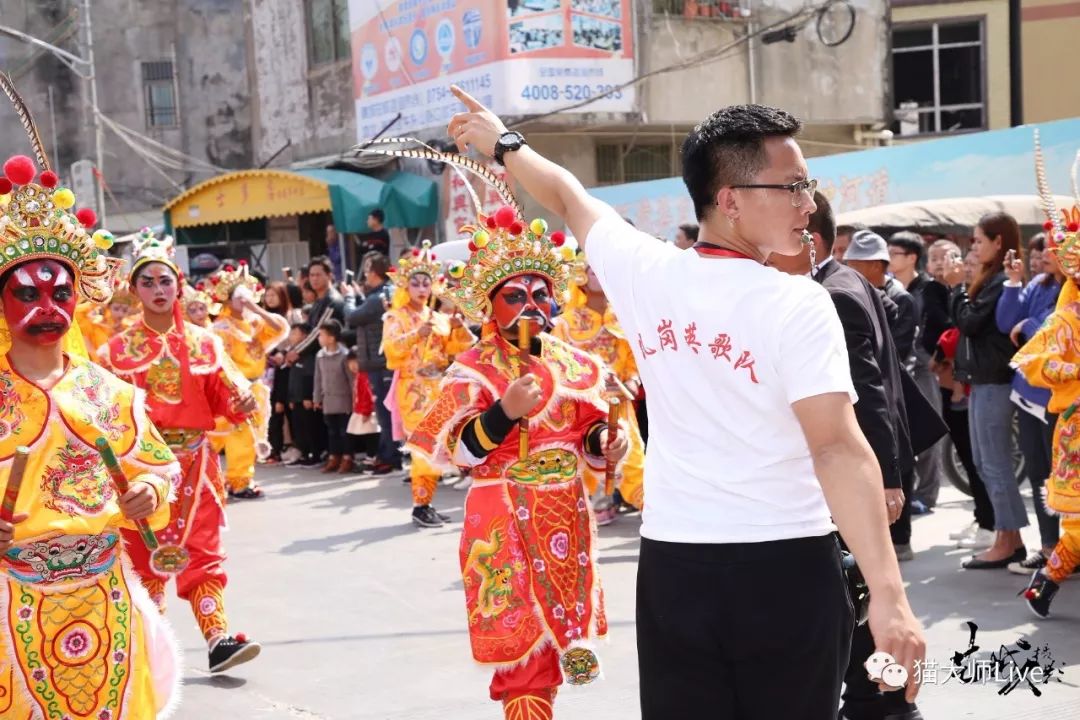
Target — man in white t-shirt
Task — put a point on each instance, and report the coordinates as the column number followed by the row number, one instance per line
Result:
column 754, row 449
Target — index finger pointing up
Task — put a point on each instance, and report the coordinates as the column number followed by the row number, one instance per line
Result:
column 467, row 100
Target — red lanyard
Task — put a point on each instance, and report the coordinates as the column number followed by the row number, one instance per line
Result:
column 717, row 251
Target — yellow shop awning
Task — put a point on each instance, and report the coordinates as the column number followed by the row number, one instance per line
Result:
column 248, row 195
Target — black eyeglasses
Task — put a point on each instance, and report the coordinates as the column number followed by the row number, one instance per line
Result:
column 797, row 189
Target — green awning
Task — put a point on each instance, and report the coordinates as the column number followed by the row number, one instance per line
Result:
column 408, row 200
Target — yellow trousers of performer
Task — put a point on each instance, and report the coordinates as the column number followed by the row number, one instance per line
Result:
column 1066, row 555
column 632, row 484
column 424, row 480
column 239, row 442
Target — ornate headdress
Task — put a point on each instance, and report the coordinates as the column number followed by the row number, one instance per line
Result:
column 421, row 260
column 199, row 294
column 225, row 281
column 122, row 294
column 148, row 247
column 504, row 248
column 1062, row 227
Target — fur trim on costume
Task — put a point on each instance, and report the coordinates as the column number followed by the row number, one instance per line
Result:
column 162, row 647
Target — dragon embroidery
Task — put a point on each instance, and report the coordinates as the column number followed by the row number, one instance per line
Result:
column 495, row 592
column 76, row 482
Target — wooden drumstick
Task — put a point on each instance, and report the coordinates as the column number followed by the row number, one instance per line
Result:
column 524, row 341
column 11, row 492
column 612, row 434
column 122, row 486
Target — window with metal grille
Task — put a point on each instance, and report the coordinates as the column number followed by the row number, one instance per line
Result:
column 623, row 162
column 327, row 31
column 939, row 77
column 160, row 93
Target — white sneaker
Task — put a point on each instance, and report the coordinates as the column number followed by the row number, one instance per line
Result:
column 981, row 540
column 965, row 533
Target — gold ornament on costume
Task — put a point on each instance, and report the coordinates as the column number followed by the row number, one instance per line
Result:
column 198, row 294
column 225, row 281
column 148, row 247
column 502, row 247
column 421, row 260
column 1062, row 227
column 578, row 269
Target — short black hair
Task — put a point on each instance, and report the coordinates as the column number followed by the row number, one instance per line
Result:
column 302, row 327
column 1037, row 242
column 378, row 215
column 909, row 242
column 822, row 221
column 728, row 148
column 333, row 327
column 380, row 264
column 849, row 230
column 323, row 262
column 690, row 230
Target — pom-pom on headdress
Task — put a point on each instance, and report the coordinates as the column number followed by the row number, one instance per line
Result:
column 503, row 248
column 225, row 281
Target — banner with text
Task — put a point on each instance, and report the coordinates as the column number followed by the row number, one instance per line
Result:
column 518, row 57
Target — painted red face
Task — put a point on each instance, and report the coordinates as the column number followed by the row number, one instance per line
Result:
column 526, row 295
column 39, row 301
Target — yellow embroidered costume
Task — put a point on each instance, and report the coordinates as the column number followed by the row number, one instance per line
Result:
column 79, row 636
column 1051, row 359
column 419, row 362
column 599, row 333
column 247, row 342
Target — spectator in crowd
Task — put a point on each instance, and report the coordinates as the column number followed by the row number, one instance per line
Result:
column 276, row 300
column 333, row 250
column 378, row 240
column 954, row 405
column 868, row 254
column 843, row 239
column 301, row 399
column 931, row 299
column 983, row 360
column 1020, row 313
column 326, row 298
column 333, row 396
column 1037, row 257
column 686, row 236
column 367, row 317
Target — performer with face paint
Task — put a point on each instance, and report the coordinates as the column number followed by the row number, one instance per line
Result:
column 79, row 636
column 528, row 548
column 588, row 323
column 196, row 305
column 249, row 332
column 190, row 382
column 101, row 322
column 419, row 344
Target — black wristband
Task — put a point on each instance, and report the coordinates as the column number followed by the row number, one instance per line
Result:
column 592, row 439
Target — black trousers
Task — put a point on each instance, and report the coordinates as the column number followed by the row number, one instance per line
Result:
column 389, row 450
column 742, row 631
column 1036, row 441
column 302, row 425
column 276, row 433
column 337, row 440
column 957, row 420
column 900, row 531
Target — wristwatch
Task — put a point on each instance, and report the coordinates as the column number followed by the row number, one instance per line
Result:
column 508, row 142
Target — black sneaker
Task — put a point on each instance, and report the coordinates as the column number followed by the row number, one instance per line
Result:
column 1040, row 593
column 310, row 461
column 252, row 492
column 1034, row 561
column 425, row 516
column 442, row 516
column 232, row 651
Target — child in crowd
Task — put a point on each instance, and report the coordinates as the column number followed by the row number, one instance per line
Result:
column 363, row 426
column 334, row 395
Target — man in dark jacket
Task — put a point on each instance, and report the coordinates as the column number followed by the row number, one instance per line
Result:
column 868, row 254
column 883, row 416
column 906, row 251
column 367, row 318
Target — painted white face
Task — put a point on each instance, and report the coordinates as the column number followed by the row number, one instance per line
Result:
column 895, row 676
column 878, row 662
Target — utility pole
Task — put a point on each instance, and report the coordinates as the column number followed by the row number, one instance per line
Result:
column 99, row 132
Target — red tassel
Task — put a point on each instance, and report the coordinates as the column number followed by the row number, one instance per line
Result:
column 1048, row 226
column 505, row 216
column 516, row 228
column 558, row 238
column 49, row 179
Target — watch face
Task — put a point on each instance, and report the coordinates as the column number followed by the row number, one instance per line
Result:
column 510, row 141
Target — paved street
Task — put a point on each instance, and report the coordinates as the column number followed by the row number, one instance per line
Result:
column 361, row 615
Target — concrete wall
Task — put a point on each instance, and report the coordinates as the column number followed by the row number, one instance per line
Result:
column 312, row 107
column 1049, row 29
column 995, row 14
column 204, row 38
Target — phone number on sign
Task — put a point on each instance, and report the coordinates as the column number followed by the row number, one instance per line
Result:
column 569, row 92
